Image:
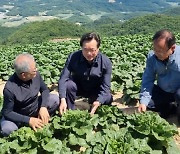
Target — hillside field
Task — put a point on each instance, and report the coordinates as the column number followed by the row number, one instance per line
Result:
column 109, row 130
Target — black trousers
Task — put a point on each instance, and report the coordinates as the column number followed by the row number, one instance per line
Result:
column 163, row 101
column 73, row 91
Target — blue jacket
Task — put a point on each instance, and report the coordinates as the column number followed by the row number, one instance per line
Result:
column 167, row 75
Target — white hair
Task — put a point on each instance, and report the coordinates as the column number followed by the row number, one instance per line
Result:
column 23, row 65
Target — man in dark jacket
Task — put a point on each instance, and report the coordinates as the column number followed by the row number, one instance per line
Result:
column 87, row 73
column 22, row 104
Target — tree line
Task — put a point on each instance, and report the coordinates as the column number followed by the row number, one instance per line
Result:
column 38, row 32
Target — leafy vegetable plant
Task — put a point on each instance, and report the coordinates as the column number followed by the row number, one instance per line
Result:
column 109, row 131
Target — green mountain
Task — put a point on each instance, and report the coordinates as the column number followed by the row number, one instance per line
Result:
column 150, row 24
column 5, row 32
column 107, row 17
column 106, row 26
column 55, row 7
column 143, row 24
column 173, row 11
column 37, row 32
column 82, row 11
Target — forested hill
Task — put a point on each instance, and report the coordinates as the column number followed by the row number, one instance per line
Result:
column 37, row 32
column 173, row 11
column 54, row 7
column 144, row 24
column 81, row 11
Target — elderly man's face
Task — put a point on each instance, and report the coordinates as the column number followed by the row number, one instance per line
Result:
column 161, row 50
column 32, row 72
column 90, row 50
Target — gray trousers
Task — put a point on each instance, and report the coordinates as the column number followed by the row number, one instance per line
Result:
column 8, row 126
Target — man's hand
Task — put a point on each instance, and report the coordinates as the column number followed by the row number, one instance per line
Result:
column 142, row 108
column 63, row 106
column 95, row 105
column 35, row 123
column 44, row 115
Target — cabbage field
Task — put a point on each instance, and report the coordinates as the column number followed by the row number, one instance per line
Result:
column 109, row 131
column 127, row 53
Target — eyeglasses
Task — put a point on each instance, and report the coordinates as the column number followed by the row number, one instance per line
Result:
column 32, row 72
column 89, row 50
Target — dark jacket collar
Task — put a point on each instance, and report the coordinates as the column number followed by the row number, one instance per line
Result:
column 21, row 82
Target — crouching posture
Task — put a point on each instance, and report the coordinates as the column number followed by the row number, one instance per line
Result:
column 87, row 73
column 163, row 66
column 22, row 104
